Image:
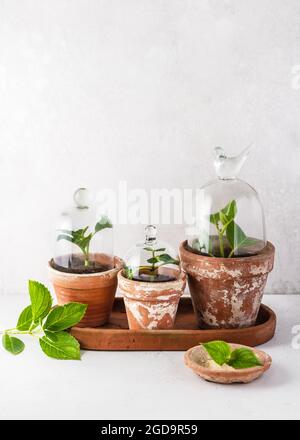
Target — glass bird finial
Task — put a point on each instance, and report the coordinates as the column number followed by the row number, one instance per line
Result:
column 229, row 167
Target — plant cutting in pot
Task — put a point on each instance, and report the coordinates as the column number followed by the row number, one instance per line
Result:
column 226, row 256
column 151, row 284
column 84, row 268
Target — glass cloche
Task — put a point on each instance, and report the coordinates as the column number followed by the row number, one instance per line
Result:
column 151, row 260
column 229, row 220
column 84, row 238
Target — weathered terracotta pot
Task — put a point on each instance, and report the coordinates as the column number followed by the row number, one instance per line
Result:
column 151, row 305
column 97, row 290
column 227, row 292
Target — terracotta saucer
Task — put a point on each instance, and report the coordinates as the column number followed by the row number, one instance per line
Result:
column 198, row 360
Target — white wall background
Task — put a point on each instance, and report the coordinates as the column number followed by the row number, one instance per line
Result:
column 97, row 91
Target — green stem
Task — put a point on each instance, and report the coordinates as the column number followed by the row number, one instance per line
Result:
column 221, row 245
column 153, row 264
column 224, row 227
column 15, row 332
column 8, row 330
column 31, row 327
column 86, row 257
column 220, row 233
column 231, row 253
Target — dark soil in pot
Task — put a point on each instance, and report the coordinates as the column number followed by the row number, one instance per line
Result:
column 76, row 264
column 245, row 251
column 152, row 277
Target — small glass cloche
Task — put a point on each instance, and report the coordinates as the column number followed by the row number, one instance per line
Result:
column 151, row 260
column 229, row 220
column 84, row 238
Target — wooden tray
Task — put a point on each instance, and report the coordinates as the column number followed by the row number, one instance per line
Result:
column 186, row 334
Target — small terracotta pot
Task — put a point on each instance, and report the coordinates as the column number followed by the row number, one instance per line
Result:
column 97, row 290
column 151, row 305
column 227, row 292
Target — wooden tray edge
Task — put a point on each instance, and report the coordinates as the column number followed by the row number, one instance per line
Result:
column 104, row 339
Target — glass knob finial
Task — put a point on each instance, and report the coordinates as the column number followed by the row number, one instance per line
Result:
column 150, row 234
column 82, row 198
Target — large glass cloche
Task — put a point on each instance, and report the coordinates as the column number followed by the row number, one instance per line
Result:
column 151, row 260
column 229, row 218
column 84, row 238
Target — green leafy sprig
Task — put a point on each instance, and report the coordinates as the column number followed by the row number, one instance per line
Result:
column 158, row 259
column 162, row 259
column 82, row 238
column 239, row 358
column 225, row 224
column 47, row 324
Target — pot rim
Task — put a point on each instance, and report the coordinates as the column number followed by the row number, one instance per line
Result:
column 264, row 254
column 119, row 264
column 148, row 284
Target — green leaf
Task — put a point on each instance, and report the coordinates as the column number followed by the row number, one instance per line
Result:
column 235, row 235
column 226, row 214
column 224, row 219
column 25, row 319
column 214, row 218
column 249, row 241
column 103, row 223
column 84, row 242
column 12, row 344
column 79, row 233
column 160, row 250
column 167, row 259
column 149, row 249
column 60, row 345
column 243, row 358
column 230, row 210
column 63, row 317
column 41, row 300
column 65, row 237
column 219, row 351
column 77, row 237
column 128, row 272
column 153, row 260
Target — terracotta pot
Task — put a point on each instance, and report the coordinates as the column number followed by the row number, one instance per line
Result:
column 197, row 359
column 97, row 290
column 151, row 305
column 227, row 292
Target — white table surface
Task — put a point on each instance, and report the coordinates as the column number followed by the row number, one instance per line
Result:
column 145, row 385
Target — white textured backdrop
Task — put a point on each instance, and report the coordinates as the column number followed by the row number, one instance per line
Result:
column 97, row 91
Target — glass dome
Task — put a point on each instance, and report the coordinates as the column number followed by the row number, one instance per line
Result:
column 84, row 238
column 151, row 260
column 229, row 220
